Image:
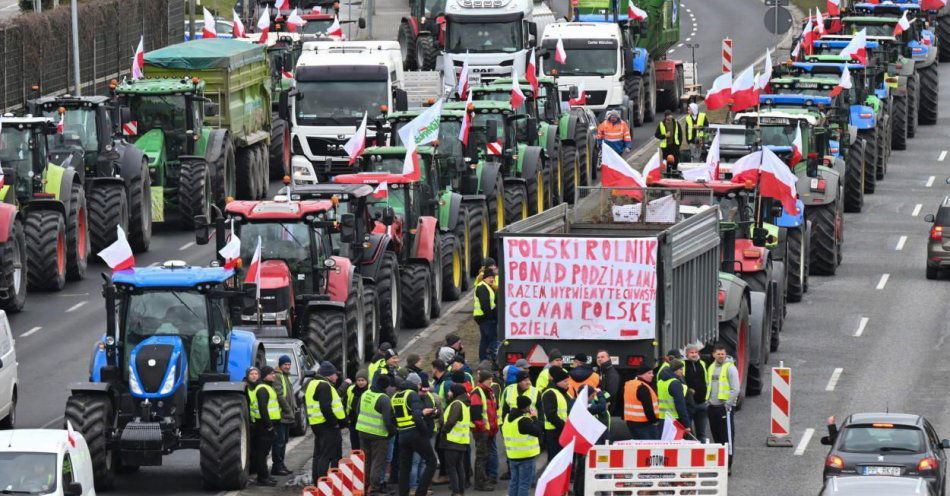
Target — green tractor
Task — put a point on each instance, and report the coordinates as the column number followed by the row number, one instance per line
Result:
column 114, row 173
column 49, row 214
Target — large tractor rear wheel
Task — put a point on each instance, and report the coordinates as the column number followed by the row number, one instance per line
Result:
column 899, row 132
column 495, row 201
column 480, row 236
column 108, row 208
column 77, row 234
column 857, row 171
column 416, row 281
column 92, row 416
column 913, row 104
column 452, row 267
column 943, row 38
column 224, row 175
column 248, row 187
column 225, row 441
column 824, row 242
column 325, row 329
column 516, row 203
column 465, row 240
column 797, row 263
column 371, row 334
column 279, row 149
column 634, row 88
column 407, row 45
column 13, row 270
column 929, row 94
column 194, row 193
column 735, row 334
column 388, row 292
column 140, row 210
column 356, row 327
column 46, row 250
column 569, row 172
column 426, row 53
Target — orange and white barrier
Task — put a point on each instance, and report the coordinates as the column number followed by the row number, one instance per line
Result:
column 726, row 55
column 668, row 467
column 780, row 424
column 347, row 480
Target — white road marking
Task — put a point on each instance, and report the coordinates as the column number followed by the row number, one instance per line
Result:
column 677, row 46
column 186, row 246
column 153, row 264
column 688, row 11
column 688, row 39
column 30, row 332
column 803, row 444
column 930, row 181
column 861, row 326
column 833, row 381
column 900, row 243
column 916, row 211
column 76, row 306
column 943, row 155
column 52, row 422
column 883, row 281
column 8, row 7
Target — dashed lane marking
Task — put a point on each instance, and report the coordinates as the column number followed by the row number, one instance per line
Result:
column 861, row 326
column 916, row 211
column 900, row 243
column 31, row 332
column 803, row 444
column 833, row 381
column 75, row 307
column 883, row 281
column 186, row 246
column 943, row 155
column 153, row 264
column 57, row 420
column 930, row 181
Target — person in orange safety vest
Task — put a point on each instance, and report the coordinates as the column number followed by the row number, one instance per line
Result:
column 615, row 132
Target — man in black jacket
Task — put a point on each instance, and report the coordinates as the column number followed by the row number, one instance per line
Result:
column 326, row 416
column 265, row 413
column 555, row 403
column 415, row 434
column 695, row 377
column 609, row 382
column 485, row 315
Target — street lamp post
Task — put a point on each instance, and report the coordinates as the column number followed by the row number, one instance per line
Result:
column 75, row 22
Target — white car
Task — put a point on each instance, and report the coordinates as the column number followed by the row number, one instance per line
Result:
column 45, row 461
column 8, row 375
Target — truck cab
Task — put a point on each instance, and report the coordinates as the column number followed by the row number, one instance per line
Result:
column 53, row 462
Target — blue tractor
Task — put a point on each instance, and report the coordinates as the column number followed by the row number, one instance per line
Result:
column 167, row 375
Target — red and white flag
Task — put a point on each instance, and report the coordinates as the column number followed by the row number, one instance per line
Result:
column 581, row 96
column 843, row 84
column 531, row 74
column 653, row 171
column 231, row 252
column 560, row 55
column 517, row 96
column 721, row 92
column 263, row 25
column 834, row 7
column 130, row 128
column 797, row 50
column 118, row 255
column 466, row 126
column 617, row 173
column 357, row 143
column 581, row 428
column 744, row 93
column 762, row 80
column 673, row 430
column 774, row 178
column 819, row 24
column 254, row 269
column 284, row 73
column 335, row 31
column 902, row 25
column 746, row 168
column 294, row 21
column 932, row 4
column 410, row 166
column 808, row 36
column 635, row 13
column 381, row 192
column 70, row 434
column 61, row 124
column 857, row 47
column 556, row 478
column 462, row 84
column 710, row 172
column 797, row 145
column 208, row 28
column 237, row 28
column 138, row 60
column 283, row 5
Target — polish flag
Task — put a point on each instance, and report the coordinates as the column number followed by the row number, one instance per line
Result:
column 762, row 81
column 381, row 192
column 466, row 126
column 357, row 143
column 774, row 178
column 711, row 171
column 673, row 430
column 581, row 96
column 653, row 172
column 254, row 269
column 208, row 30
column 263, row 25
column 531, row 74
column 517, row 96
column 61, row 125
column 294, row 21
column 138, row 60
column 844, row 84
column 808, row 36
column 902, row 25
column 744, row 94
column 284, row 73
column 335, row 31
column 635, row 13
column 283, row 5
column 857, row 47
column 721, row 92
column 231, row 252
column 617, row 173
column 932, row 4
column 797, row 50
column 461, row 86
column 582, row 429
column 237, row 26
column 556, row 478
column 118, row 255
column 560, row 55
column 410, row 166
column 70, row 434
column 819, row 24
column 746, row 168
column 797, row 145
column 834, row 8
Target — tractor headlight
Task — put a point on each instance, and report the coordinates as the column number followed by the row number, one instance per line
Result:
column 134, row 382
column 303, row 172
column 169, row 381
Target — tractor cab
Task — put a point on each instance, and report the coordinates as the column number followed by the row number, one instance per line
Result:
column 451, row 159
column 88, row 129
column 495, row 131
column 409, row 196
column 23, row 155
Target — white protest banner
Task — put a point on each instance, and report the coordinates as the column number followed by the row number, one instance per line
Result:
column 424, row 128
column 580, row 288
column 660, row 210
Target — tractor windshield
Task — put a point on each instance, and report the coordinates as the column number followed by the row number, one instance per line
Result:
column 585, row 62
column 27, row 473
column 316, row 27
column 79, row 127
column 875, row 29
column 15, row 155
column 478, row 133
column 504, row 96
column 159, row 111
column 339, row 103
column 778, row 135
column 484, row 37
column 288, row 241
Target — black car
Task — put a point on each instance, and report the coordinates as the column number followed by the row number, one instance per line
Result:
column 938, row 242
column 887, row 444
column 875, row 485
column 302, row 367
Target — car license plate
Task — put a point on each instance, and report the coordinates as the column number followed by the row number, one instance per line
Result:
column 893, row 471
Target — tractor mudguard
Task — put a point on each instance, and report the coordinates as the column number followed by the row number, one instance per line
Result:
column 788, row 220
column 45, row 204
column 423, row 243
column 567, row 126
column 514, row 181
column 862, row 117
column 666, row 70
column 7, row 218
column 736, row 290
column 488, row 177
column 338, row 284
column 531, row 161
column 215, row 145
column 130, row 162
column 224, row 387
column 372, row 256
column 758, row 303
column 751, row 258
column 243, row 353
column 59, row 181
column 412, row 24
column 96, row 181
column 91, row 387
column 477, row 199
column 922, row 54
column 818, row 197
column 449, row 205
column 152, row 145
column 640, row 60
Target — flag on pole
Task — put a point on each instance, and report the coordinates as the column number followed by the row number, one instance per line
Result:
column 462, row 85
column 517, row 96
column 635, row 13
column 556, row 478
column 902, row 25
column 263, row 25
column 857, row 47
column 424, row 128
column 843, row 84
column 410, row 166
column 254, row 269
column 357, row 143
column 581, row 428
column 721, row 92
column 381, row 192
column 466, row 122
column 834, row 7
column 710, row 172
column 283, row 5
column 335, row 31
column 762, row 81
column 673, row 430
column 560, row 55
column 744, row 94
column 819, row 24
column 138, row 60
column 118, row 255
column 208, row 28
column 617, row 173
column 231, row 252
column 294, row 21
column 808, row 35
column 653, row 172
column 797, row 145
column 531, row 74
column 237, row 28
column 773, row 176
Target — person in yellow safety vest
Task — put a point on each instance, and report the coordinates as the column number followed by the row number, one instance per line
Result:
column 670, row 134
column 325, row 415
column 522, row 432
column 378, row 362
column 389, row 366
column 351, row 397
column 488, row 263
column 615, row 133
column 723, row 393
column 375, row 423
column 288, row 415
column 671, row 355
column 555, row 359
column 509, row 397
column 265, row 413
column 641, row 406
column 415, row 435
column 696, row 124
column 555, row 403
column 671, row 393
column 456, row 437
column 486, row 316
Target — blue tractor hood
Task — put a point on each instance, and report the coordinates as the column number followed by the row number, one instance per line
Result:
column 862, row 117
column 811, row 66
column 158, row 367
column 793, row 99
column 171, row 277
column 789, row 220
column 843, row 43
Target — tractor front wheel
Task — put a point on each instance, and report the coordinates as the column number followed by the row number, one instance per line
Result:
column 325, row 330
column 797, row 263
column 416, row 281
column 824, row 242
column 426, row 53
column 388, row 290
column 407, row 45
column 279, row 149
column 929, row 94
column 516, row 203
column 857, row 171
column 77, row 234
column 899, row 133
column 225, row 441
column 108, row 208
column 194, row 193
column 465, row 240
column 46, row 250
column 92, row 416
column 735, row 334
column 140, row 210
column 452, row 267
column 13, row 270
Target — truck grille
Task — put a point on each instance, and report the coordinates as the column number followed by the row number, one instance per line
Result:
column 329, row 147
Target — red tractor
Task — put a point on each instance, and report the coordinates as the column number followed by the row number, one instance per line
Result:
column 422, row 34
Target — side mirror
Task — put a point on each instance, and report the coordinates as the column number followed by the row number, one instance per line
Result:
column 491, row 131
column 776, row 211
column 347, row 228
column 73, row 489
column 211, row 109
column 533, row 29
column 572, row 92
column 283, row 105
column 929, row 218
column 361, row 23
column 825, row 440
column 532, row 126
column 295, row 94
column 202, row 230
column 945, row 444
column 400, row 99
column 760, row 236
column 389, row 216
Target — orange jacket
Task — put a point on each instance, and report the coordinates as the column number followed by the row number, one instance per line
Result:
column 614, row 132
